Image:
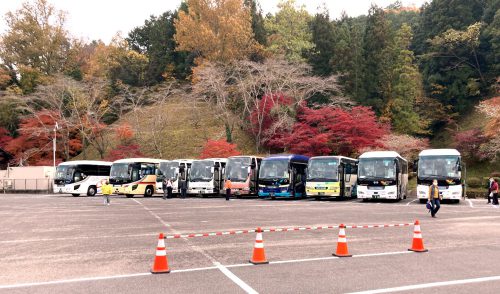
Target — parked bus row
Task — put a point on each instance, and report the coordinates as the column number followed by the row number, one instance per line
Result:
column 374, row 175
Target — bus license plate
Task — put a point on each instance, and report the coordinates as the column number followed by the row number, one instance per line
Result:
column 375, row 196
column 321, row 193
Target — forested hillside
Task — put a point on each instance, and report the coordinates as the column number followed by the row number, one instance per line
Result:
column 219, row 77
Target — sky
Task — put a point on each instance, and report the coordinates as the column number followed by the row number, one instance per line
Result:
column 102, row 19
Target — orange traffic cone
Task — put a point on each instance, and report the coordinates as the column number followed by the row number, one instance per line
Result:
column 342, row 244
column 259, row 256
column 418, row 242
column 160, row 265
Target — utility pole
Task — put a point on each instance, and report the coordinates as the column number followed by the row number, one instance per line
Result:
column 56, row 127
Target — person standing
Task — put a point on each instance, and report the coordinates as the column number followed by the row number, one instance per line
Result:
column 229, row 186
column 490, row 193
column 183, row 189
column 169, row 188
column 434, row 198
column 164, row 188
column 494, row 190
column 107, row 190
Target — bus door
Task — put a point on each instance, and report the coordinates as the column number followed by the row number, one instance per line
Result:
column 253, row 175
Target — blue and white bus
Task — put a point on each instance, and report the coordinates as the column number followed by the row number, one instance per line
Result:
column 283, row 176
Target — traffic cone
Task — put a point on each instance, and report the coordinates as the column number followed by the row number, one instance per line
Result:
column 342, row 244
column 160, row 265
column 418, row 242
column 259, row 255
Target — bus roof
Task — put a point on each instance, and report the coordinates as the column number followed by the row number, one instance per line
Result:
column 291, row 157
column 380, row 154
column 212, row 159
column 244, row 156
column 88, row 162
column 431, row 152
column 332, row 156
column 145, row 160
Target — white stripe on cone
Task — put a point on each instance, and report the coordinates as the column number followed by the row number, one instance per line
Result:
column 259, row 237
column 259, row 245
column 417, row 236
column 342, row 240
column 161, row 242
column 162, row 252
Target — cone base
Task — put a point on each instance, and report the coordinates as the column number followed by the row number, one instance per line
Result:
column 258, row 262
column 342, row 255
column 418, row 250
column 160, row 272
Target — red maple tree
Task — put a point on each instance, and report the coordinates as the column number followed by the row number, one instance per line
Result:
column 127, row 147
column 218, row 148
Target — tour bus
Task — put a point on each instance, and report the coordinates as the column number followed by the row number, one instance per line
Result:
column 177, row 170
column 444, row 165
column 382, row 175
column 134, row 176
column 81, row 177
column 243, row 172
column 331, row 176
column 283, row 176
column 206, row 177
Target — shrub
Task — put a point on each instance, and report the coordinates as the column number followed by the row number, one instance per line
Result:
column 495, row 174
column 474, row 182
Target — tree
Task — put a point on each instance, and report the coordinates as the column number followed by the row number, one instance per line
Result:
column 126, row 147
column 491, row 109
column 35, row 38
column 220, row 30
column 469, row 143
column 332, row 130
column 259, row 31
column 406, row 87
column 407, row 146
column 218, row 148
column 323, row 38
column 288, row 31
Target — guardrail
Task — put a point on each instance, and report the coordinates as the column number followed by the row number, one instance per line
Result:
column 26, row 185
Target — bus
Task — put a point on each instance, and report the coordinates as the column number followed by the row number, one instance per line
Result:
column 331, row 176
column 283, row 176
column 243, row 172
column 382, row 175
column 80, row 177
column 444, row 165
column 206, row 177
column 134, row 176
column 177, row 170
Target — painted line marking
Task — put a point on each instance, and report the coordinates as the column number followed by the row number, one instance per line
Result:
column 235, row 279
column 470, row 203
column 408, row 204
column 430, row 285
column 25, row 285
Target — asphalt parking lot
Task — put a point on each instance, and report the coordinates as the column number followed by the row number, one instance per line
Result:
column 63, row 244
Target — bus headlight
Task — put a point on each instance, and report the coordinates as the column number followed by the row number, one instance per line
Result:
column 391, row 193
column 422, row 192
column 455, row 193
column 262, row 186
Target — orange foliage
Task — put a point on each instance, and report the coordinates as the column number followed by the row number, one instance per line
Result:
column 124, row 132
column 218, row 148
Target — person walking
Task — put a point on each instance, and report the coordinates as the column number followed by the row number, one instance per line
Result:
column 229, row 186
column 183, row 189
column 107, row 190
column 170, row 187
column 490, row 193
column 494, row 190
column 164, row 188
column 434, row 198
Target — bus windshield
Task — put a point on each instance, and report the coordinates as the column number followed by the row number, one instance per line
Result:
column 120, row 171
column 274, row 169
column 168, row 169
column 323, row 169
column 237, row 168
column 201, row 171
column 377, row 168
column 65, row 172
column 439, row 167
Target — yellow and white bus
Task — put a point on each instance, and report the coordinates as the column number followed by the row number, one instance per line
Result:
column 134, row 176
column 331, row 176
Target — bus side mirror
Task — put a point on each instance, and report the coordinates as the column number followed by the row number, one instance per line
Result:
column 459, row 168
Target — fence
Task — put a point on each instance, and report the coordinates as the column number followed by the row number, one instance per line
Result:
column 26, row 185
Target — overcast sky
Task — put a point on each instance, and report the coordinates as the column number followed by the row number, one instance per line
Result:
column 101, row 19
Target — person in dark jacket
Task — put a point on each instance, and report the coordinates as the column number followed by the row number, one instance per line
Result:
column 183, row 189
column 170, row 187
column 494, row 190
column 490, row 194
column 434, row 198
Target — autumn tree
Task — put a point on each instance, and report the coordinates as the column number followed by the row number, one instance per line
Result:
column 288, row 31
column 407, row 146
column 220, row 30
column 126, row 146
column 35, row 38
column 491, row 109
column 218, row 148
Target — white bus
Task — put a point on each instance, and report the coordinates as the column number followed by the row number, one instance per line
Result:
column 177, row 170
column 443, row 165
column 331, row 176
column 81, row 177
column 206, row 176
column 134, row 176
column 382, row 175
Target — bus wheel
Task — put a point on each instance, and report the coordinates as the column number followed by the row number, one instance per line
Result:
column 423, row 201
column 75, row 195
column 148, row 192
column 129, row 195
column 91, row 191
column 273, row 197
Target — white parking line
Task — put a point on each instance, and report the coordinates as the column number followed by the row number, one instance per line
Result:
column 408, row 204
column 235, row 279
column 429, row 285
column 25, row 285
column 470, row 203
